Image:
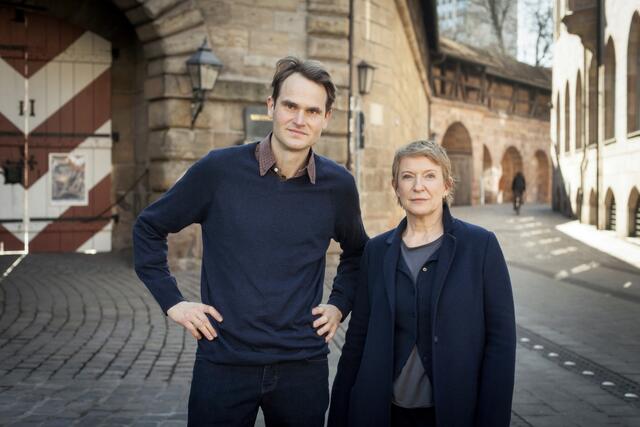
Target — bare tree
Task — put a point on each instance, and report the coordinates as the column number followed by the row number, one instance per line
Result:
column 497, row 11
column 542, row 27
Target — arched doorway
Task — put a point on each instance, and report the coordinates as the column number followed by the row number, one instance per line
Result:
column 511, row 164
column 457, row 142
column 138, row 37
column 610, row 211
column 593, row 207
column 488, row 177
column 65, row 72
column 633, row 207
column 542, row 177
column 578, row 211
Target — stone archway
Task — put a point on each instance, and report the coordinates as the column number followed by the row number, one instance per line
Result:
column 542, row 180
column 489, row 178
column 633, row 217
column 511, row 164
column 610, row 216
column 457, row 142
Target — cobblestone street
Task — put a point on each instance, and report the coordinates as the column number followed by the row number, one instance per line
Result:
column 83, row 343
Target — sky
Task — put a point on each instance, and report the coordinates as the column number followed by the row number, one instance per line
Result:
column 526, row 35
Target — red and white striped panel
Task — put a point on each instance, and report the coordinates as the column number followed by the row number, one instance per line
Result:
column 69, row 83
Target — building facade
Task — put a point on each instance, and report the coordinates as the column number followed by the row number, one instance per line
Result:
column 491, row 113
column 469, row 22
column 596, row 113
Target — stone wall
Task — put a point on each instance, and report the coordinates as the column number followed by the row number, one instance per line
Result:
column 496, row 132
column 397, row 109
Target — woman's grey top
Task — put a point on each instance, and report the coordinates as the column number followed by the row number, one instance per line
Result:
column 412, row 387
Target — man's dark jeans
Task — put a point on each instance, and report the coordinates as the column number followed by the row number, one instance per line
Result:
column 290, row 394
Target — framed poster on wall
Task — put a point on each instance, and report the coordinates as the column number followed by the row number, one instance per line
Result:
column 68, row 179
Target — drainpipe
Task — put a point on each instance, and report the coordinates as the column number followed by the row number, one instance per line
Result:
column 599, row 54
column 350, row 95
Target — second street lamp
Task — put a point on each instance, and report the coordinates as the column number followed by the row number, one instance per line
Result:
column 204, row 67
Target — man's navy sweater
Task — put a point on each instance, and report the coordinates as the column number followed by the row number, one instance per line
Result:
column 264, row 246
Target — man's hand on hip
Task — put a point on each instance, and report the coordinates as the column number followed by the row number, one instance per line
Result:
column 192, row 315
column 328, row 321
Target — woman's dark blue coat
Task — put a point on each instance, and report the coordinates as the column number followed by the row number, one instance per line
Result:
column 473, row 333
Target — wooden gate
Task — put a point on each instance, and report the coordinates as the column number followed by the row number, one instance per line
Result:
column 55, row 99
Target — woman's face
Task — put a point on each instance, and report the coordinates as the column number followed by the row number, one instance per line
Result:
column 420, row 186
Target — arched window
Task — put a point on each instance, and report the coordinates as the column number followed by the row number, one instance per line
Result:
column 592, row 99
column 634, row 213
column 609, row 90
column 633, row 76
column 567, row 122
column 579, row 112
column 593, row 207
column 610, row 205
column 579, row 204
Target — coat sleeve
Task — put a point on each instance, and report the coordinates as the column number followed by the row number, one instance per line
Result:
column 498, row 365
column 349, row 232
column 352, row 350
column 184, row 204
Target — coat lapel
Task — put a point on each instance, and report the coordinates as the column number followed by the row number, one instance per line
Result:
column 445, row 259
column 390, row 262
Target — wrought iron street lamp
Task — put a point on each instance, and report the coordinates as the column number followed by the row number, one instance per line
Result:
column 365, row 77
column 204, row 67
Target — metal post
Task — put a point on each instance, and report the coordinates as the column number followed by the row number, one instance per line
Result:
column 25, row 219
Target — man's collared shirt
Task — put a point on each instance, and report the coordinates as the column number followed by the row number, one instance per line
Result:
column 267, row 161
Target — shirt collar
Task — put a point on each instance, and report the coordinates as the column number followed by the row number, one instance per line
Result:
column 267, row 160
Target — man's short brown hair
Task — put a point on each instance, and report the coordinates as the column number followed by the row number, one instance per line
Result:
column 311, row 70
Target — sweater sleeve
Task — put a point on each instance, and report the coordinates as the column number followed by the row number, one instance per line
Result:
column 498, row 365
column 350, row 234
column 184, row 204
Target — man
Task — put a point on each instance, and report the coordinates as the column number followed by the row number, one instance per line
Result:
column 518, row 185
column 268, row 211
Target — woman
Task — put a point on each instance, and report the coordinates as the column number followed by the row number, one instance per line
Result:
column 431, row 339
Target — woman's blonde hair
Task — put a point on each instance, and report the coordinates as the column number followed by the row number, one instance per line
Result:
column 433, row 152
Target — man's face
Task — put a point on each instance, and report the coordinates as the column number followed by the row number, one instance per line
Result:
column 299, row 114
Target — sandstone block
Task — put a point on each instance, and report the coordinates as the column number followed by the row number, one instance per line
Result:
column 328, row 25
column 163, row 174
column 336, row 7
column 332, row 147
column 230, row 38
column 329, row 48
column 280, row 4
column 170, row 24
column 155, row 8
column 168, row 65
column 227, row 139
column 181, row 144
column 168, row 86
column 233, row 90
column 169, row 113
column 137, row 16
column 268, row 42
column 339, row 72
column 338, row 125
column 184, row 42
column 291, row 22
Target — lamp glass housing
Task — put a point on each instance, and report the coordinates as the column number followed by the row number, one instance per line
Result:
column 365, row 77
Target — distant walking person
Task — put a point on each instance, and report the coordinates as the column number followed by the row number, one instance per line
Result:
column 268, row 212
column 518, row 186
